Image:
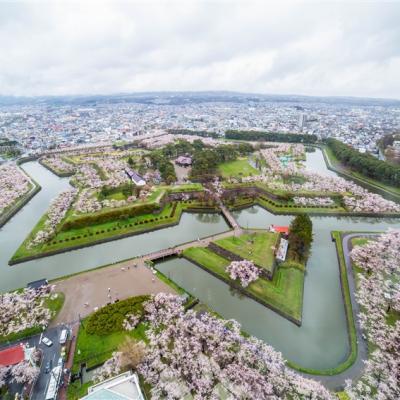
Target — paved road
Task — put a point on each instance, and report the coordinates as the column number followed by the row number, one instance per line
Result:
column 52, row 354
column 49, row 353
column 337, row 382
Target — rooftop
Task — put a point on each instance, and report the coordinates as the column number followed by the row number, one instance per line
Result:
column 122, row 387
column 12, row 355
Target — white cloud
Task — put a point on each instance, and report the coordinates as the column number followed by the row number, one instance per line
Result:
column 266, row 47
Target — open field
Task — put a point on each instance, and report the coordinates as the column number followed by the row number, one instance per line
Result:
column 258, row 247
column 237, row 168
column 92, row 288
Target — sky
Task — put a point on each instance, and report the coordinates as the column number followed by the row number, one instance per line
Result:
column 285, row 47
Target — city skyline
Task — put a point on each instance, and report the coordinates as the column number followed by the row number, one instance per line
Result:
column 298, row 48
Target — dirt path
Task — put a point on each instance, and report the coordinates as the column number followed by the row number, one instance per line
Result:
column 123, row 279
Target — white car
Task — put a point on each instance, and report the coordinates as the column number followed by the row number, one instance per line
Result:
column 47, row 341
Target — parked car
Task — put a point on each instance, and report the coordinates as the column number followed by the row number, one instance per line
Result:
column 47, row 341
column 63, row 336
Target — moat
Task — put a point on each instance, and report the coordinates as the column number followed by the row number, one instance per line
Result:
column 321, row 342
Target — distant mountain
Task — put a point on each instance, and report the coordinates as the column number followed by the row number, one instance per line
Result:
column 176, row 98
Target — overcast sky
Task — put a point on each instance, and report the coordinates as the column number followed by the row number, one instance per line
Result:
column 319, row 48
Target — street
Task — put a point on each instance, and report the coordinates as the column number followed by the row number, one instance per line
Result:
column 48, row 353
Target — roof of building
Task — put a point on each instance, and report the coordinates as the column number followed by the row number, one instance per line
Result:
column 134, row 176
column 184, row 160
column 280, row 229
column 122, row 387
column 12, row 355
column 37, row 284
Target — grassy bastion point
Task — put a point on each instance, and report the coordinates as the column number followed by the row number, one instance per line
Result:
column 282, row 294
column 112, row 230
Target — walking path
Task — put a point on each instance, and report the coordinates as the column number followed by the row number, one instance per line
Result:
column 337, row 382
column 230, row 218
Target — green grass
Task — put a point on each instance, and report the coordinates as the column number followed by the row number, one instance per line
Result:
column 95, row 350
column 188, row 187
column 237, row 168
column 284, row 292
column 93, row 233
column 359, row 241
column 258, row 247
column 76, row 391
column 54, row 305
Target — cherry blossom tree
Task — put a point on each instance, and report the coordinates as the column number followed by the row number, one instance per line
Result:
column 109, row 369
column 55, row 214
column 200, row 355
column 378, row 294
column 24, row 309
column 243, row 270
column 3, row 376
column 24, row 372
column 13, row 184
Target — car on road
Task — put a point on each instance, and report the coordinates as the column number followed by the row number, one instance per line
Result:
column 63, row 336
column 47, row 341
column 48, row 366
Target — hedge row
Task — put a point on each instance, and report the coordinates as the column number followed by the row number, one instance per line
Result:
column 111, row 215
column 109, row 318
column 101, row 231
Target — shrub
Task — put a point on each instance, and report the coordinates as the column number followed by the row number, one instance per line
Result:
column 109, row 319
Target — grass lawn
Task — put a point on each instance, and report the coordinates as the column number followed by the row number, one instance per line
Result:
column 54, row 305
column 93, row 233
column 95, row 350
column 258, row 247
column 237, row 168
column 187, row 187
column 284, row 292
column 359, row 241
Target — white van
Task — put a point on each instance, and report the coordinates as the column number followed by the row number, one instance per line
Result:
column 63, row 336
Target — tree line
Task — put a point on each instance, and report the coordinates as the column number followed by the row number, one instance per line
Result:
column 205, row 159
column 161, row 162
column 192, row 132
column 300, row 238
column 270, row 136
column 364, row 163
